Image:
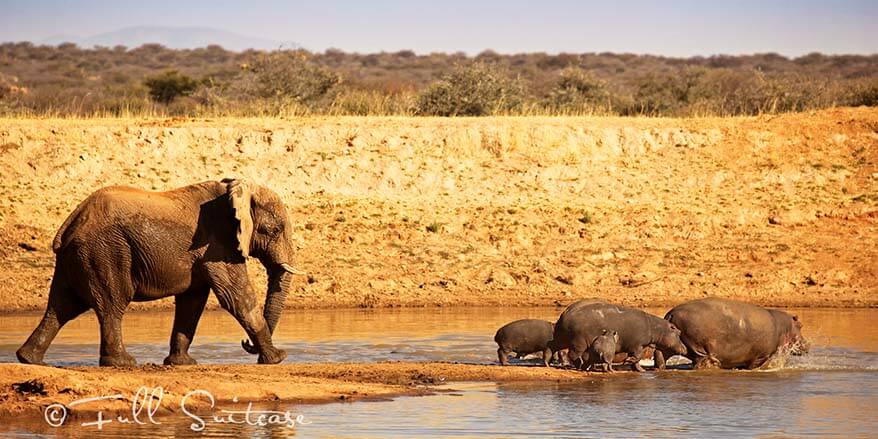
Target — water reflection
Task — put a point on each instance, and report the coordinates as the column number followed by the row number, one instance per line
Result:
column 464, row 335
column 831, row 391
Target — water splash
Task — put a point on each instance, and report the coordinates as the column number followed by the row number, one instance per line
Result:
column 834, row 359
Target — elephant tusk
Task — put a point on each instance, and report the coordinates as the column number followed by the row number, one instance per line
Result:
column 289, row 269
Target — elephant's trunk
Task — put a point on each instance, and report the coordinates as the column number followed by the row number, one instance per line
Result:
column 279, row 281
column 278, row 288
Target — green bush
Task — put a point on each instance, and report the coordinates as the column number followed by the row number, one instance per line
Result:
column 472, row 90
column 170, row 85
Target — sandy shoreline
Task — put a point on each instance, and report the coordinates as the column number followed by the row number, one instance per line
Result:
column 27, row 390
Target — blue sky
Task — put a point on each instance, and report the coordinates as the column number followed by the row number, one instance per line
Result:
column 674, row 28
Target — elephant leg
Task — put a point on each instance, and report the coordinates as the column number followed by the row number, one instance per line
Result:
column 236, row 296
column 113, row 351
column 63, row 306
column 187, row 312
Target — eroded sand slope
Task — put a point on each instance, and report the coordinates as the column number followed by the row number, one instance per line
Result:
column 779, row 210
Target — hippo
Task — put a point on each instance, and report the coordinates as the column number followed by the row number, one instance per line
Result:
column 603, row 350
column 524, row 337
column 730, row 334
column 637, row 331
column 562, row 343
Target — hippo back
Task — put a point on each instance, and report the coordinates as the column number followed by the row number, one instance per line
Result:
column 562, row 335
column 524, row 336
column 635, row 327
column 732, row 333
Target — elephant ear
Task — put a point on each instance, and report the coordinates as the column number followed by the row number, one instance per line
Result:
column 239, row 197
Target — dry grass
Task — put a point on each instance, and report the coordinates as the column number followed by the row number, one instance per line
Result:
column 437, row 211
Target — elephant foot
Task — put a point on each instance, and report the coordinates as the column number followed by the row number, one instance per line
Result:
column 27, row 356
column 179, row 360
column 273, row 356
column 118, row 360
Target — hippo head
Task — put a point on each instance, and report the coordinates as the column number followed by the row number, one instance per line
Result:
column 793, row 340
column 669, row 340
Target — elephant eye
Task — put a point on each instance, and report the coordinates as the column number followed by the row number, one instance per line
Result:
column 271, row 229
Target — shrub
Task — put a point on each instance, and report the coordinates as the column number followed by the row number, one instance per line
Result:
column 664, row 94
column 477, row 89
column 170, row 85
column 578, row 90
column 287, row 76
column 864, row 94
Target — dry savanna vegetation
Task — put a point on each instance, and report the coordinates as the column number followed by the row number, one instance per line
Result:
column 153, row 80
column 404, row 211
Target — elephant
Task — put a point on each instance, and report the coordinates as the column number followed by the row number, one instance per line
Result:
column 123, row 244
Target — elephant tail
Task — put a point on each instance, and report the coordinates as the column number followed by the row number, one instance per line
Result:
column 58, row 242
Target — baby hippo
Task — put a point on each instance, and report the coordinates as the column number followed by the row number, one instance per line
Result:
column 603, row 349
column 524, row 337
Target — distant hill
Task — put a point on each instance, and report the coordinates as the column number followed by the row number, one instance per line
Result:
column 172, row 37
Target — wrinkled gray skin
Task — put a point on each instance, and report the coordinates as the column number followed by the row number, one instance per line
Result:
column 637, row 332
column 123, row 244
column 730, row 334
column 524, row 337
column 603, row 350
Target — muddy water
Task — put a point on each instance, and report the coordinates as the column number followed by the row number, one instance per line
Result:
column 831, row 391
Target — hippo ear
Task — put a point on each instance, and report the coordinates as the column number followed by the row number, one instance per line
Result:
column 604, row 332
column 795, row 317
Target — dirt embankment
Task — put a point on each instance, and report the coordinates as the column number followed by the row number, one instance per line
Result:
column 28, row 390
column 777, row 210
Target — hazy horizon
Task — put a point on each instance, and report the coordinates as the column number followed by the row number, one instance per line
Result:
column 681, row 29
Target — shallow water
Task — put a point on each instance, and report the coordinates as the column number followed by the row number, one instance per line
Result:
column 831, row 391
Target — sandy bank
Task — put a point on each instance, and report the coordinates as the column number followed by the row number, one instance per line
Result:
column 393, row 211
column 28, row 390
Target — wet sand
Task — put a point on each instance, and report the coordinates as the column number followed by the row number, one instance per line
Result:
column 286, row 383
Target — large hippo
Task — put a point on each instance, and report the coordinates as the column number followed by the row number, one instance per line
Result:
column 730, row 334
column 526, row 336
column 573, row 307
column 637, row 331
column 559, row 350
